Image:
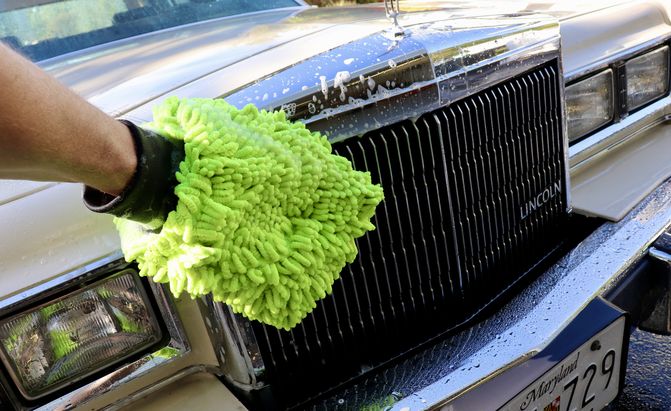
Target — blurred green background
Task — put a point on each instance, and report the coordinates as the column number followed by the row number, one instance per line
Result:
column 327, row 3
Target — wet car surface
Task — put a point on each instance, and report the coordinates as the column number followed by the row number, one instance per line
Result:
column 648, row 379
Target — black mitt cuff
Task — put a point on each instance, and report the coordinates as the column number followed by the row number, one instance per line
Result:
column 149, row 196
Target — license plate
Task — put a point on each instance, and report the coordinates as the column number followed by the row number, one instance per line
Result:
column 587, row 379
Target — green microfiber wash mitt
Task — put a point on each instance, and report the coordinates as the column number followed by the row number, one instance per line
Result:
column 266, row 216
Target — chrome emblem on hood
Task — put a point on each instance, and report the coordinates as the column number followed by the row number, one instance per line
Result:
column 393, row 9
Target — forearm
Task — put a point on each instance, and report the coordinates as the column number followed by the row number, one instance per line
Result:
column 49, row 133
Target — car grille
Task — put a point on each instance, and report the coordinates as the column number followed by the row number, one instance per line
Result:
column 475, row 198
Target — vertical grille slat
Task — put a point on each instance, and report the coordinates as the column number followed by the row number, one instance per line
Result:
column 361, row 164
column 483, row 207
column 470, row 207
column 391, row 266
column 397, row 237
column 418, row 227
column 439, row 192
column 429, row 200
column 349, row 279
column 363, row 292
column 408, row 230
column 449, row 203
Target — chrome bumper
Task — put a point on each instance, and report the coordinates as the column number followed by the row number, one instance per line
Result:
column 441, row 373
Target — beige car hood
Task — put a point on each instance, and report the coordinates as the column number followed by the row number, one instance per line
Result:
column 121, row 75
column 124, row 74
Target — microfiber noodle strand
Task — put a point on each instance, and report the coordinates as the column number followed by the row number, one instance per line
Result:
column 266, row 216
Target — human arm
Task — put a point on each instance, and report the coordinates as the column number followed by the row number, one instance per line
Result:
column 49, row 133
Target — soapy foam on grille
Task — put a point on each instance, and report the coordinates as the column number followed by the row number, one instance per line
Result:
column 266, row 216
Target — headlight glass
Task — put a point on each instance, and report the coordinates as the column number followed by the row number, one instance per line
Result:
column 589, row 104
column 647, row 77
column 71, row 337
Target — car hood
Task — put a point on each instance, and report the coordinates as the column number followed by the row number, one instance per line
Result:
column 121, row 75
column 124, row 74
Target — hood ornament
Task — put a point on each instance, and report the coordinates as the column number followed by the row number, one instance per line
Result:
column 392, row 8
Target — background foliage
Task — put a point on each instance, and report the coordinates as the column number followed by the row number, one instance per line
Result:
column 327, row 3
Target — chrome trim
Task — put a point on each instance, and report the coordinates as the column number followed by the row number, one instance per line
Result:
column 532, row 319
column 601, row 142
column 177, row 346
column 235, row 344
column 659, row 255
column 376, row 81
column 562, row 102
column 392, row 9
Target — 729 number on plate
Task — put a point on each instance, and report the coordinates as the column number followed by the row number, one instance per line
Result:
column 587, row 379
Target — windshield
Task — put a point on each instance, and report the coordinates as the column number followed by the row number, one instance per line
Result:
column 41, row 29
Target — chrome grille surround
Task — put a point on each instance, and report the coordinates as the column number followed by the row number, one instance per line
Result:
column 389, row 80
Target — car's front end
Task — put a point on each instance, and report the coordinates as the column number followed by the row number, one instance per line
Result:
column 523, row 154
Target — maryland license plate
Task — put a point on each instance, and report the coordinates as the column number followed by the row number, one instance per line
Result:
column 587, row 379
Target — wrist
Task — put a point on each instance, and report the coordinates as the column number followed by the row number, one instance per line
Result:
column 122, row 164
column 147, row 195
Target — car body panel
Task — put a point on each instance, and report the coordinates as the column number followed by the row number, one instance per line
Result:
column 592, row 40
column 119, row 75
column 54, row 234
column 211, row 395
column 613, row 184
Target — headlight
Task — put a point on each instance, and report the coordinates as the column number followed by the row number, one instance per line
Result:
column 69, row 338
column 589, row 104
column 647, row 77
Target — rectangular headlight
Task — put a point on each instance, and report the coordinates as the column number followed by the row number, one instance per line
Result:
column 647, row 77
column 589, row 104
column 69, row 338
